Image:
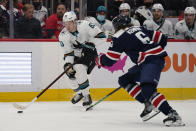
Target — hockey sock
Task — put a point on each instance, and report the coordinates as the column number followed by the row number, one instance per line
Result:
column 134, row 90
column 159, row 101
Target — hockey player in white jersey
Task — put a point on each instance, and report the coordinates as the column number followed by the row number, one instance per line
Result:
column 74, row 40
column 186, row 28
column 159, row 23
column 104, row 24
column 143, row 13
column 124, row 9
column 40, row 12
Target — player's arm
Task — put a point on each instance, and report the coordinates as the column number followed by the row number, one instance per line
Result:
column 157, row 37
column 112, row 56
column 64, row 42
column 94, row 31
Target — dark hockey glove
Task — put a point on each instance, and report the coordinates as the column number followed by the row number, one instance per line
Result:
column 88, row 54
column 71, row 72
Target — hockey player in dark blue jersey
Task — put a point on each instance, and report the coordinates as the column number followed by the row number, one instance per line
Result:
column 146, row 49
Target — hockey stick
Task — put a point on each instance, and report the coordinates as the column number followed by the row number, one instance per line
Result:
column 20, row 107
column 103, row 98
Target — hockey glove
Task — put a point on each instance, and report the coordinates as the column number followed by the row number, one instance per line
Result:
column 71, row 72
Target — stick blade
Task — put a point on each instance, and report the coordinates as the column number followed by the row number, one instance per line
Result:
column 19, row 107
column 89, row 108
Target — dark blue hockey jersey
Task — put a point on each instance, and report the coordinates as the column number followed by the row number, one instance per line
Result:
column 138, row 43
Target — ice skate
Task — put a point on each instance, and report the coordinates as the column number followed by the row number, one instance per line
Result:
column 87, row 101
column 173, row 119
column 149, row 111
column 77, row 98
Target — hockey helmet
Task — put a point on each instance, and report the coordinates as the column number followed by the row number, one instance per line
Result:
column 69, row 16
column 101, row 9
column 121, row 21
column 124, row 6
column 189, row 10
column 157, row 6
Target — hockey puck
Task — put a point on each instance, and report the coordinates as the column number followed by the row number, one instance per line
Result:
column 20, row 112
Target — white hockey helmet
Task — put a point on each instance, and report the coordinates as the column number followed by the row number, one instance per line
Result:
column 189, row 10
column 157, row 6
column 69, row 16
column 124, row 6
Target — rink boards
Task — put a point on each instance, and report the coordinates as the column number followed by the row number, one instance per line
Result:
column 27, row 67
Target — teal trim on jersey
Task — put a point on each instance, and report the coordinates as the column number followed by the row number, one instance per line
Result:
column 102, row 35
column 82, row 87
column 75, row 33
column 161, row 22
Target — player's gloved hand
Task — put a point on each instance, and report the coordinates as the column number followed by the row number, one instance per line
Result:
column 98, row 60
column 70, row 72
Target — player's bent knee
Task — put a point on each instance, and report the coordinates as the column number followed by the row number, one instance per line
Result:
column 148, row 89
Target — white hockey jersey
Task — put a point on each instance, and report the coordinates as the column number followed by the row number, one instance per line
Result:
column 85, row 32
column 135, row 22
column 41, row 15
column 182, row 31
column 166, row 27
column 107, row 27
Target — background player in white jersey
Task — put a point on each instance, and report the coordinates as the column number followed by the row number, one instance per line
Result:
column 143, row 13
column 74, row 39
column 40, row 12
column 158, row 22
column 186, row 28
column 104, row 24
column 124, row 9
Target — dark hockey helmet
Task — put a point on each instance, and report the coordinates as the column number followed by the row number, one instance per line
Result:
column 121, row 22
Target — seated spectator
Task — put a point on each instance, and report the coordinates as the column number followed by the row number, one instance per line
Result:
column 20, row 6
column 104, row 24
column 3, row 4
column 40, row 12
column 125, row 9
column 159, row 23
column 3, row 25
column 28, row 27
column 186, row 28
column 143, row 13
column 54, row 23
column 17, row 13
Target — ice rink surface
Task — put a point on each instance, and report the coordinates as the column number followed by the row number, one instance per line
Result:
column 106, row 116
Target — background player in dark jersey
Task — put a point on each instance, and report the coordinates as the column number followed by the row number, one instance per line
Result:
column 146, row 49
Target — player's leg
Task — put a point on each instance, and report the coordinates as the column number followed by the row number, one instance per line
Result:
column 128, row 82
column 74, row 84
column 83, row 88
column 150, row 75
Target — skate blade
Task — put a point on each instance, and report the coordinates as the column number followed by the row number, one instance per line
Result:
column 174, row 124
column 150, row 116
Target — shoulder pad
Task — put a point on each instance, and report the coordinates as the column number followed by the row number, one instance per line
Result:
column 63, row 33
column 118, row 33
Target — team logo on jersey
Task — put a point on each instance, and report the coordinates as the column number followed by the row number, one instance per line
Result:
column 61, row 43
